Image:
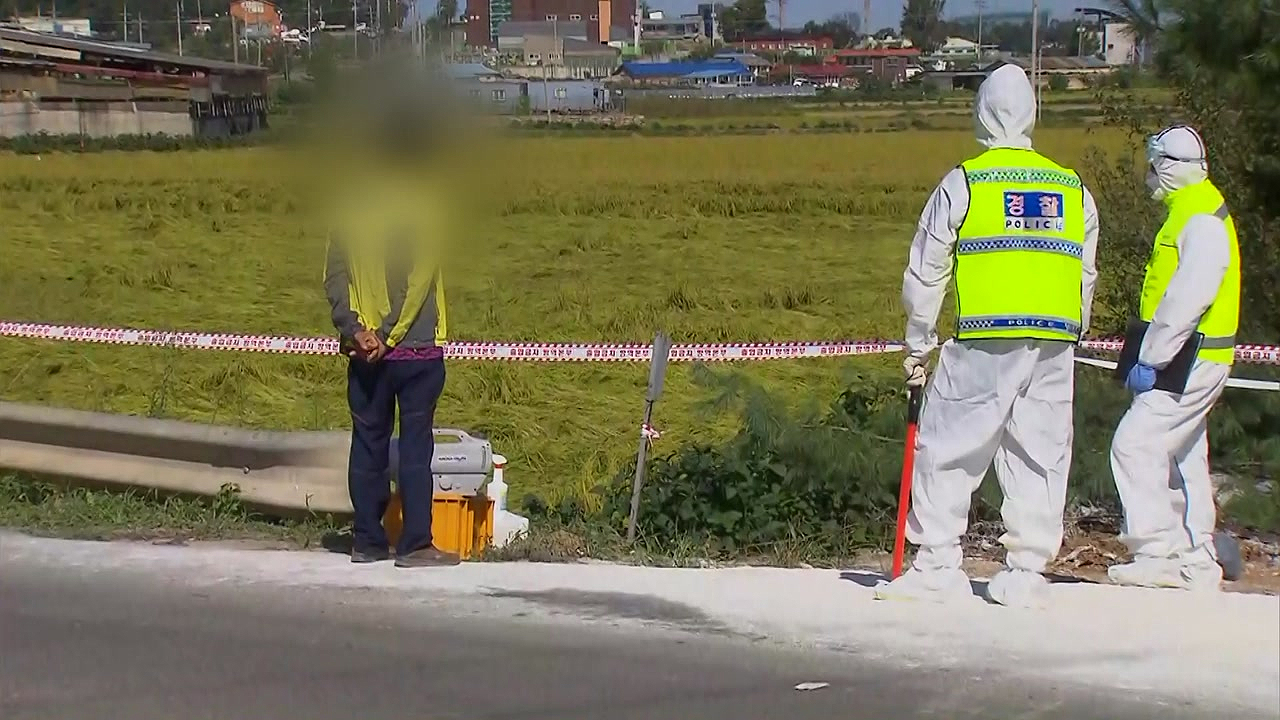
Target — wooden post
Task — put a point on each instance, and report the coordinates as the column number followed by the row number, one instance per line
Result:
column 658, row 360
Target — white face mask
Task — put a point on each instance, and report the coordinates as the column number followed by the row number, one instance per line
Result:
column 1153, row 184
column 1167, row 172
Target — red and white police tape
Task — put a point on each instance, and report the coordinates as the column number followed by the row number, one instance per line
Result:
column 541, row 352
column 544, row 352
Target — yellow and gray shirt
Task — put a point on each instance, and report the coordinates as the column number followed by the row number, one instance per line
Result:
column 382, row 269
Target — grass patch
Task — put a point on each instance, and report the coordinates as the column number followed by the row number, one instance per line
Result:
column 46, row 507
column 591, row 239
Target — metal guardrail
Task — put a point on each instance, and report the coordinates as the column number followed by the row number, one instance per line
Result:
column 279, row 472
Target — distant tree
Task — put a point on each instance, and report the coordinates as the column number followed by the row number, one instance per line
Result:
column 1088, row 43
column 1068, row 37
column 1057, row 37
column 323, row 67
column 744, row 18
column 1146, row 20
column 922, row 23
column 651, row 48
column 702, row 51
column 842, row 28
column 1223, row 62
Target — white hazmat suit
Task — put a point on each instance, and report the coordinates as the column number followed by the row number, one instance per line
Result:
column 1160, row 452
column 1002, row 401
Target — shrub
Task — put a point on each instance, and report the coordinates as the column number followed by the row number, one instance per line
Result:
column 44, row 143
column 827, row 476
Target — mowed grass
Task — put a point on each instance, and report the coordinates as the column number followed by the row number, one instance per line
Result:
column 713, row 239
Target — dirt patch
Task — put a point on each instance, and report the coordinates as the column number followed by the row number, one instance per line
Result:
column 1086, row 555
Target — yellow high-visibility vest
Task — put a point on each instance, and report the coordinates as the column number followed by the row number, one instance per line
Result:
column 383, row 267
column 1220, row 322
column 1018, row 257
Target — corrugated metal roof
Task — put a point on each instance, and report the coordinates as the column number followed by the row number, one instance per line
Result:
column 1073, row 63
column 572, row 45
column 687, row 68
column 21, row 62
column 462, row 71
column 1055, row 63
column 124, row 52
column 748, row 59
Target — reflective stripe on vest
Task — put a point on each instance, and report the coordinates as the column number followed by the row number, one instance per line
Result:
column 1220, row 322
column 1018, row 266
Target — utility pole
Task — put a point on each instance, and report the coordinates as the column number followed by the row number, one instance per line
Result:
column 982, row 5
column 355, row 34
column 177, row 9
column 1035, row 51
column 546, row 99
column 124, row 18
column 235, row 40
column 636, row 30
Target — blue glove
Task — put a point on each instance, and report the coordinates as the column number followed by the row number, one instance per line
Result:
column 1141, row 379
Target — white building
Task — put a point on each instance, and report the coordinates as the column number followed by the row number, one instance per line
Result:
column 1118, row 44
column 958, row 52
column 955, row 47
column 657, row 26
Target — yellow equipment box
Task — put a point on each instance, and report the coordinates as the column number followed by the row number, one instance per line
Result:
column 460, row 524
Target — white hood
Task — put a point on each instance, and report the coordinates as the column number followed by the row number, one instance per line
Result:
column 1176, row 158
column 1005, row 112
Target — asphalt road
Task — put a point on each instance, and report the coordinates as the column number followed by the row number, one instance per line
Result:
column 78, row 643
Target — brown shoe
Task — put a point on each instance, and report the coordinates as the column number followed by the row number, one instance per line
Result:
column 427, row 557
column 371, row 556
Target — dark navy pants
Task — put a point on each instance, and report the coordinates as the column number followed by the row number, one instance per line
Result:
column 373, row 392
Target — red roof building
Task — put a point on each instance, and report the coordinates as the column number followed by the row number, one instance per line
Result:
column 888, row 64
column 787, row 42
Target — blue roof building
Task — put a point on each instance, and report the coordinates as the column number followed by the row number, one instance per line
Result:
column 693, row 72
